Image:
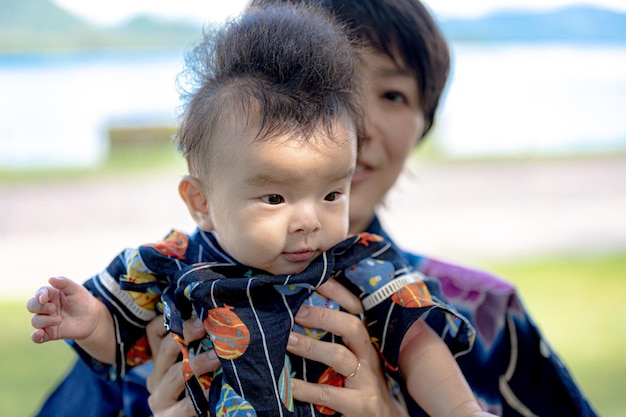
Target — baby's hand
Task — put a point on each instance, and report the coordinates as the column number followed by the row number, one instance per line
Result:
column 63, row 310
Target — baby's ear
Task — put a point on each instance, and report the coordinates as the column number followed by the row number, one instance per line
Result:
column 191, row 191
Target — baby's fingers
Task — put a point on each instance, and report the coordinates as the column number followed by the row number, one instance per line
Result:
column 64, row 285
column 41, row 321
column 39, row 304
column 41, row 297
column 39, row 336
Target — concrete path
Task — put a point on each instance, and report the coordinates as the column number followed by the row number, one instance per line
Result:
column 461, row 211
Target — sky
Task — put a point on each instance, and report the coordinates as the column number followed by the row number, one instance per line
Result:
column 116, row 11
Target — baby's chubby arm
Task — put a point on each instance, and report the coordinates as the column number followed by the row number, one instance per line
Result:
column 67, row 310
column 433, row 377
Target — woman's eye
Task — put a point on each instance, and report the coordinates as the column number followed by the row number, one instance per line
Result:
column 331, row 196
column 395, row 96
column 273, row 199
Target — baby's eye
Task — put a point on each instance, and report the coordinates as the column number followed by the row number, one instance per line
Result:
column 395, row 96
column 273, row 199
column 331, row 196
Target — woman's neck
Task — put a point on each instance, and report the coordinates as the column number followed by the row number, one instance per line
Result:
column 361, row 225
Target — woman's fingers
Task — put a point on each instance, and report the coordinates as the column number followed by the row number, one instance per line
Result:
column 155, row 330
column 339, row 357
column 166, row 389
column 165, row 383
column 164, row 361
column 164, row 352
column 349, row 327
column 357, row 353
column 183, row 408
column 366, row 393
column 333, row 290
column 373, row 401
column 348, row 402
column 193, row 330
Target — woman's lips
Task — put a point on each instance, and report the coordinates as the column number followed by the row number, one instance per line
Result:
column 361, row 173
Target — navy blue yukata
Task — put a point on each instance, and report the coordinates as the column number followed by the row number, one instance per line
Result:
column 249, row 314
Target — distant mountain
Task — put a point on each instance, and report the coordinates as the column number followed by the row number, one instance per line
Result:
column 36, row 25
column 41, row 25
column 572, row 24
column 37, row 15
column 147, row 31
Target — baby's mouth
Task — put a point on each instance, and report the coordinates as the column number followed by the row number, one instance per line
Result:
column 300, row 256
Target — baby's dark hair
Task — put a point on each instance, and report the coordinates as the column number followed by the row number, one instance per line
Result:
column 285, row 70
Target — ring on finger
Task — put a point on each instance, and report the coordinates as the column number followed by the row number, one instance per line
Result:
column 358, row 366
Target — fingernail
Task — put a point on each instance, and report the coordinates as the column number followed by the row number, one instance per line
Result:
column 303, row 312
column 293, row 339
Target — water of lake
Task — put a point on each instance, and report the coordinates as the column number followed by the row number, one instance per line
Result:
column 502, row 100
column 535, row 99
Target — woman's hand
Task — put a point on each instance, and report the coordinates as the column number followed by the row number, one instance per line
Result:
column 165, row 382
column 366, row 393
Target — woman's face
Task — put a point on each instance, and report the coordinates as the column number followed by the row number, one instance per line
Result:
column 394, row 122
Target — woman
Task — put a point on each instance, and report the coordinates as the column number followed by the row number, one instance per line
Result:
column 510, row 370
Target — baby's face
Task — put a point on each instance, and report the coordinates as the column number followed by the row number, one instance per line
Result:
column 277, row 204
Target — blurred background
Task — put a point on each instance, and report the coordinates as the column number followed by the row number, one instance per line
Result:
column 524, row 173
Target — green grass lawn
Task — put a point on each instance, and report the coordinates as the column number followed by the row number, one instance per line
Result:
column 578, row 302
column 580, row 305
column 27, row 370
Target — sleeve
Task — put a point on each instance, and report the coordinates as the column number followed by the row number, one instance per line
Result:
column 511, row 368
column 131, row 293
column 395, row 296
